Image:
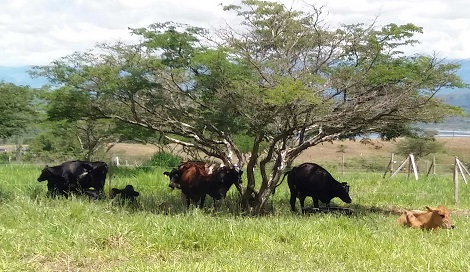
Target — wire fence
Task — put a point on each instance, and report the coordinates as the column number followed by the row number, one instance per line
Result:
column 376, row 164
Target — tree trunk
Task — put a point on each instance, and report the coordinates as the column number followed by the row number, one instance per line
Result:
column 262, row 205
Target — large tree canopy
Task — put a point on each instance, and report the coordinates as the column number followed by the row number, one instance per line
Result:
column 283, row 78
column 16, row 107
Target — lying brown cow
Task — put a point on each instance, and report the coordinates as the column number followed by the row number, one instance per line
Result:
column 429, row 219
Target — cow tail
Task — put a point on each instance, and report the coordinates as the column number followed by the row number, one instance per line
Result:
column 274, row 190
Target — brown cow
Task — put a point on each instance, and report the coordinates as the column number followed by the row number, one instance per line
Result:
column 197, row 179
column 429, row 219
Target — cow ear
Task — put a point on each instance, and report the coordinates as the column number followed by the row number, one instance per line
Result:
column 429, row 209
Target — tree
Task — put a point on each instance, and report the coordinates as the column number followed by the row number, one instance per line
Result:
column 57, row 142
column 419, row 143
column 75, row 108
column 69, row 107
column 16, row 106
column 284, row 79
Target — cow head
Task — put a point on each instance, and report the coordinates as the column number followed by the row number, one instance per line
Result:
column 174, row 176
column 226, row 176
column 129, row 191
column 344, row 193
column 440, row 218
column 45, row 174
column 229, row 175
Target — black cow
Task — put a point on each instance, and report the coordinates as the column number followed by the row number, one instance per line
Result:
column 94, row 178
column 75, row 176
column 310, row 179
column 197, row 179
column 127, row 193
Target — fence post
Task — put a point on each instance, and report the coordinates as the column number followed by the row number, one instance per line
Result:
column 415, row 168
column 110, row 174
column 456, row 182
column 409, row 167
column 342, row 164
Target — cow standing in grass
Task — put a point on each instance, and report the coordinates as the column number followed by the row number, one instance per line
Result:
column 75, row 177
column 310, row 179
column 198, row 179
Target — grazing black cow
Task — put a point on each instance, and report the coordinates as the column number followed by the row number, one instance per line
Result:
column 127, row 193
column 197, row 179
column 310, row 179
column 75, row 176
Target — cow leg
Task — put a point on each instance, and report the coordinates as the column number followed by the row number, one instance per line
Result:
column 186, row 198
column 293, row 199
column 218, row 203
column 203, row 198
column 302, row 203
column 315, row 203
column 412, row 221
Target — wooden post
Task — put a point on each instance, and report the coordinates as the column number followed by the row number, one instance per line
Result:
column 415, row 168
column 392, row 158
column 432, row 167
column 389, row 166
column 409, row 167
column 400, row 167
column 386, row 169
column 459, row 164
column 342, row 163
column 110, row 174
column 456, row 182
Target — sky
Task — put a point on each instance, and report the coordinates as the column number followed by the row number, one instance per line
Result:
column 36, row 32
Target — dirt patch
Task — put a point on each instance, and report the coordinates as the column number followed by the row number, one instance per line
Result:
column 325, row 152
column 134, row 150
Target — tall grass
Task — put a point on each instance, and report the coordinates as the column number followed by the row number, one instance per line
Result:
column 159, row 234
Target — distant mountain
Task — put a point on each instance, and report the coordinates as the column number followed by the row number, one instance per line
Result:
column 19, row 75
column 464, row 74
column 459, row 97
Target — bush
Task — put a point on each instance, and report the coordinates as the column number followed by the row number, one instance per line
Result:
column 4, row 157
column 163, row 159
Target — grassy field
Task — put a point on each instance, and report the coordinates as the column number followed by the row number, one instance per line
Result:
column 159, row 234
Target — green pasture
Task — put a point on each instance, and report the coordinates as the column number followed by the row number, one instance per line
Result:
column 158, row 234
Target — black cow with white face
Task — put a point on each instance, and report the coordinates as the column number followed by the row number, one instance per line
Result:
column 310, row 179
column 75, row 177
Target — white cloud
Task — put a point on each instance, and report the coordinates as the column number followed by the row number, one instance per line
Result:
column 37, row 32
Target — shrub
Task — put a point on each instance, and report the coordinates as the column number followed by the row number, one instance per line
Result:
column 4, row 157
column 163, row 159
